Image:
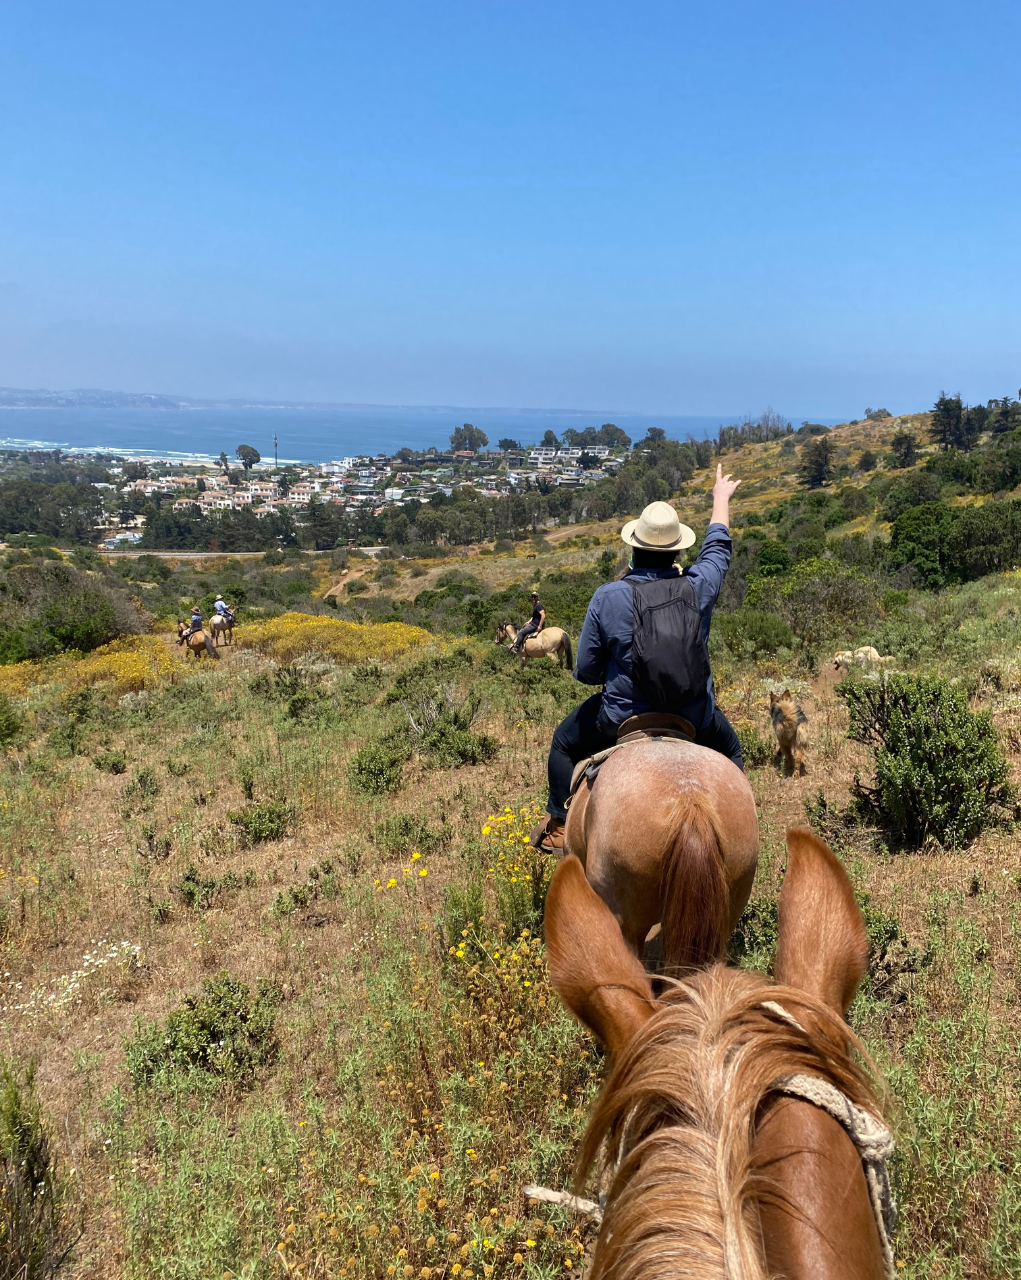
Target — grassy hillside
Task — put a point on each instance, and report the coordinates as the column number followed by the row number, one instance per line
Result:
column 270, row 925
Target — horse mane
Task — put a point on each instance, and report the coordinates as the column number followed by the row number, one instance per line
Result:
column 672, row 1131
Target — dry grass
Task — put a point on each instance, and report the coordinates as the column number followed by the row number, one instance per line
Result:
column 396, row 986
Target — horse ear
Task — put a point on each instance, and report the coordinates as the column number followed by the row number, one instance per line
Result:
column 786, row 693
column 823, row 947
column 597, row 975
column 772, row 697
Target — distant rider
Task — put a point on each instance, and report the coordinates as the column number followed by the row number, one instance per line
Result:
column 195, row 625
column 534, row 625
column 222, row 610
column 604, row 649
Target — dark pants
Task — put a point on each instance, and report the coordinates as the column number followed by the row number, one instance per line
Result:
column 588, row 730
column 529, row 629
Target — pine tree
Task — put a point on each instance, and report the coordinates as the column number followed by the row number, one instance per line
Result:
column 904, row 448
column 946, row 427
column 817, row 462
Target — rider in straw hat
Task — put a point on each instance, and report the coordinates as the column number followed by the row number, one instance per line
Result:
column 604, row 649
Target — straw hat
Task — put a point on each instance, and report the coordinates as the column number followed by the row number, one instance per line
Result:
column 658, row 529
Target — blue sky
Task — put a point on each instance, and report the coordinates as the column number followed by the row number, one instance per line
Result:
column 662, row 207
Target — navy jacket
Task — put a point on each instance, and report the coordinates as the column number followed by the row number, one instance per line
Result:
column 604, row 648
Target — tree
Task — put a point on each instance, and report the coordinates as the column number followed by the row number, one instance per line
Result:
column 550, row 441
column 904, row 448
column 817, row 462
column 877, row 415
column 508, row 445
column 867, row 461
column 613, row 437
column 949, row 427
column 469, row 438
column 224, row 464
column 135, row 471
column 654, row 435
column 1005, row 414
column 247, row 456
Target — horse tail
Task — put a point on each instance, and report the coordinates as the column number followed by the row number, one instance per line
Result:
column 209, row 648
column 567, row 652
column 693, row 886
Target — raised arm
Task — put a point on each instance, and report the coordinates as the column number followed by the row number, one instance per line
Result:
column 723, row 491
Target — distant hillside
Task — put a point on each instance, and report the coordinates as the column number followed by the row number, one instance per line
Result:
column 86, row 398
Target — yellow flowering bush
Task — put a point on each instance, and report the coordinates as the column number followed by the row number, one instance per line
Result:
column 519, row 873
column 292, row 634
column 129, row 664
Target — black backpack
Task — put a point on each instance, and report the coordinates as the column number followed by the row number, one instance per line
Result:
column 669, row 662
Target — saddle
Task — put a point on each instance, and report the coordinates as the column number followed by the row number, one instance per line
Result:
column 651, row 724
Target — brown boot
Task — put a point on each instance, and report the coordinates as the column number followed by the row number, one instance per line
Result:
column 548, row 836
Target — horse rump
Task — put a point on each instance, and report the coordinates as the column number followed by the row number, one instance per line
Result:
column 693, row 887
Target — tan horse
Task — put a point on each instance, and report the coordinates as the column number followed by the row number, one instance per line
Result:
column 197, row 644
column 221, row 626
column 668, row 833
column 550, row 642
column 714, row 1163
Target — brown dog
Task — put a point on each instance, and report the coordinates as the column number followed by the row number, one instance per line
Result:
column 790, row 724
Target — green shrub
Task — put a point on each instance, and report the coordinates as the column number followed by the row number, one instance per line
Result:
column 939, row 770
column 754, row 632
column 404, row 832
column 226, row 1033
column 356, row 587
column 177, row 768
column 200, row 892
column 451, row 746
column 321, row 881
column 267, row 820
column 111, row 761
column 818, row 599
column 463, row 907
column 305, row 703
column 755, row 750
column 444, row 730
column 915, row 490
column 10, row 722
column 377, row 768
column 774, row 558
column 753, row 942
column 37, row 1231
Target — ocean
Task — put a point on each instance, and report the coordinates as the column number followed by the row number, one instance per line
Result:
column 307, row 435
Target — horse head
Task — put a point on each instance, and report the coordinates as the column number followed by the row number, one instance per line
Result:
column 724, row 1052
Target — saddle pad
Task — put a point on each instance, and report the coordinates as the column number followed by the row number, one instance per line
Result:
column 590, row 766
column 582, row 768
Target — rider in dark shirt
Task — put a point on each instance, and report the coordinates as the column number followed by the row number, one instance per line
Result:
column 604, row 649
column 533, row 626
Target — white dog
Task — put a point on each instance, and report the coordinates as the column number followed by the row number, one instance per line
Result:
column 863, row 657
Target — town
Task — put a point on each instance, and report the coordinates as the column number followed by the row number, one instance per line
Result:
column 370, row 483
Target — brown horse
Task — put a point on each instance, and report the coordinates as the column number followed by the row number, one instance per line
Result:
column 550, row 642
column 668, row 833
column 714, row 1164
column 197, row 643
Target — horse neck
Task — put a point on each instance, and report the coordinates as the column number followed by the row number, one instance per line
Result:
column 675, row 1129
